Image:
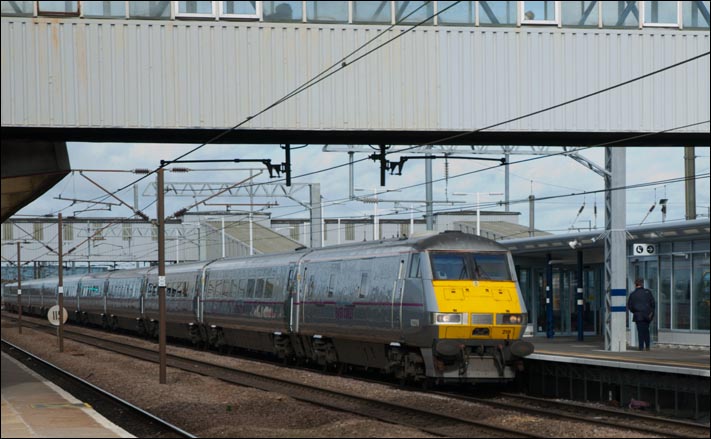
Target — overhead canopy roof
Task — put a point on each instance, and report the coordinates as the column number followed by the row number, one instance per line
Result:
column 565, row 246
column 29, row 169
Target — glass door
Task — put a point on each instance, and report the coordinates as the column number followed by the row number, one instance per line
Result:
column 539, row 293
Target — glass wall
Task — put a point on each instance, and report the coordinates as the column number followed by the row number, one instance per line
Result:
column 327, row 12
column 701, row 311
column 497, row 13
column 681, row 297
column 461, row 13
column 664, row 295
column 414, row 12
column 282, row 11
column 695, row 14
column 538, row 11
column 524, row 282
column 620, row 14
column 663, row 13
column 240, row 9
column 612, row 14
column 683, row 285
column 18, row 8
column 580, row 13
column 59, row 8
column 371, row 12
column 110, row 9
column 159, row 10
column 193, row 7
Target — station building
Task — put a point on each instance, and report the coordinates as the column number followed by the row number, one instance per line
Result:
column 672, row 258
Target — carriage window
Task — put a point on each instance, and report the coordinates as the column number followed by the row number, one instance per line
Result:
column 242, row 290
column 363, row 290
column 250, row 288
column 225, row 289
column 260, row 288
column 309, row 287
column 234, row 288
column 269, row 288
column 491, row 267
column 214, row 288
column 449, row 266
column 475, row 266
column 415, row 265
column 331, row 284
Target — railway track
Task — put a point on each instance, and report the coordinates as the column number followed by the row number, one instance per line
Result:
column 435, row 423
column 430, row 422
column 558, row 409
column 131, row 418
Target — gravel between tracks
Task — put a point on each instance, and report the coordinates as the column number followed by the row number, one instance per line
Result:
column 208, row 407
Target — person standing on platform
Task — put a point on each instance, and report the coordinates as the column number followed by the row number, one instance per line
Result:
column 642, row 305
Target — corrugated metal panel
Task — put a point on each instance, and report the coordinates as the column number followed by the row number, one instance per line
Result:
column 198, row 74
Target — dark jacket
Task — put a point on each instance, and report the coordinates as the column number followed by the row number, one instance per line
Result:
column 642, row 305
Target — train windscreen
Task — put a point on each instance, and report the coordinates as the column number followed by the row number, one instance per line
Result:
column 470, row 266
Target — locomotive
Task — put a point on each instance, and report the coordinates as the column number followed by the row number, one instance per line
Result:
column 441, row 307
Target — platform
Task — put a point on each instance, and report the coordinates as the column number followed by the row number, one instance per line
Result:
column 591, row 351
column 669, row 380
column 34, row 407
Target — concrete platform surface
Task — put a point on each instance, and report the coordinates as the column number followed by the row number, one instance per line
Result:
column 592, row 351
column 34, row 407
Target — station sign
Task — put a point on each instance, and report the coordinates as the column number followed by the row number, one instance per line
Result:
column 53, row 315
column 640, row 249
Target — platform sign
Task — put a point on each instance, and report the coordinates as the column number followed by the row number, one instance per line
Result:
column 640, row 249
column 53, row 315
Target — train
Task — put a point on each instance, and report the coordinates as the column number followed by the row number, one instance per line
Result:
column 441, row 307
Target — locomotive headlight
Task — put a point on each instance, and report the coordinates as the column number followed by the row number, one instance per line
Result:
column 512, row 319
column 444, row 318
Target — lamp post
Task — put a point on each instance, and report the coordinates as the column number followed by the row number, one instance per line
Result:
column 478, row 210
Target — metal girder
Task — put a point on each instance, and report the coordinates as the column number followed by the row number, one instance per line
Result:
column 602, row 172
column 205, row 189
column 457, row 149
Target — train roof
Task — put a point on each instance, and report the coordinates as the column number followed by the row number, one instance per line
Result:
column 449, row 240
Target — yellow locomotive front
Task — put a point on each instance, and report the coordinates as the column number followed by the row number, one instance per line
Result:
column 478, row 316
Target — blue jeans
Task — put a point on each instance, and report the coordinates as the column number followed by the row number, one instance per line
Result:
column 643, row 335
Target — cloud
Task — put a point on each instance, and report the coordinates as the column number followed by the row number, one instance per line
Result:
column 540, row 176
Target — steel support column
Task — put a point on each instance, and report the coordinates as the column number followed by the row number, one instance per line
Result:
column 690, row 185
column 615, row 251
column 550, row 331
column 429, row 215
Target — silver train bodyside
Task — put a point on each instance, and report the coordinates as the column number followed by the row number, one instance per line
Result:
column 371, row 304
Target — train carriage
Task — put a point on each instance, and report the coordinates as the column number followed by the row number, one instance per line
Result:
column 125, row 297
column 443, row 307
column 182, row 289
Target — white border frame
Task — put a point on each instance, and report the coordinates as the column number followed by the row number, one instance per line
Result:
column 78, row 13
column 643, row 22
column 554, row 22
column 126, row 6
column 178, row 14
column 256, row 16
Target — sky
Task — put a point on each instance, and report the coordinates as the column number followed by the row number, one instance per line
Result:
column 541, row 176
